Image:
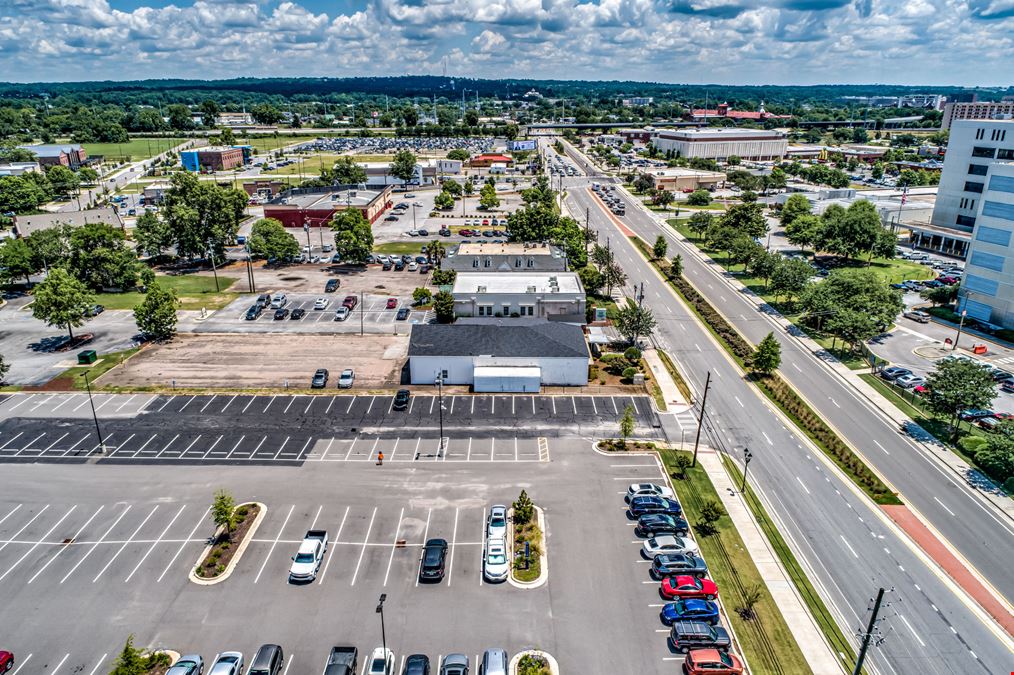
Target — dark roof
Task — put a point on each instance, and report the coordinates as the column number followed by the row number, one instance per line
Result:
column 507, row 338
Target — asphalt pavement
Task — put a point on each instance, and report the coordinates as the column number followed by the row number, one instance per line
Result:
column 848, row 546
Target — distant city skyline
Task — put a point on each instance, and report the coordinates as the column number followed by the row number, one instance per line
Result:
column 687, row 41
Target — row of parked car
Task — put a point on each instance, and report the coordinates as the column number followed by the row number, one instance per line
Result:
column 906, row 379
column 692, row 612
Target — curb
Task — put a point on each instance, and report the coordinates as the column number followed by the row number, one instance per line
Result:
column 554, row 667
column 239, row 551
column 173, row 656
column 543, row 557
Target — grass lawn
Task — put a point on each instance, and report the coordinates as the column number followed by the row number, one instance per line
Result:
column 604, row 301
column 402, row 247
column 266, row 142
column 194, row 291
column 765, row 639
column 135, row 148
column 105, row 363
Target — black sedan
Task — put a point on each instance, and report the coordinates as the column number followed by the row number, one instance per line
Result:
column 659, row 523
column 669, row 564
column 403, row 314
column 642, row 504
column 297, row 314
column 434, row 556
column 401, row 399
column 281, row 314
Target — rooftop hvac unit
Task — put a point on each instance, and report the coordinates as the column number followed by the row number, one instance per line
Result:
column 531, row 289
column 481, row 289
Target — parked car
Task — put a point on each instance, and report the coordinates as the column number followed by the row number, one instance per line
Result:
column 227, row 663
column 297, row 314
column 350, row 301
column 712, row 662
column 402, row 314
column 972, row 414
column 916, row 315
column 94, row 310
column 688, row 587
column 668, row 543
column 401, row 399
column 321, row 303
column 319, row 379
column 191, row 664
column 669, row 564
column 495, row 563
column 6, row 661
column 381, row 662
column 892, row 373
column 347, row 379
column 309, row 556
column 341, row 313
column 988, row 423
column 454, row 664
column 651, row 489
column 651, row 524
column 431, row 567
column 690, row 609
column 494, row 662
column 1007, row 386
column 278, row 301
column 281, row 314
column 254, row 313
column 392, row 303
column 643, row 504
column 909, row 381
column 342, row 661
column 687, row 635
column 496, row 523
column 263, row 300
column 416, row 664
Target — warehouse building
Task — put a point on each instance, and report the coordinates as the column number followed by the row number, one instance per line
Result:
column 316, row 206
column 499, row 356
column 720, row 144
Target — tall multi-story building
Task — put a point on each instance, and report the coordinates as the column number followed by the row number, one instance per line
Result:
column 987, row 291
column 976, row 110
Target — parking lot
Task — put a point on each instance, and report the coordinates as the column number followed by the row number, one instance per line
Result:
column 371, row 315
column 121, row 541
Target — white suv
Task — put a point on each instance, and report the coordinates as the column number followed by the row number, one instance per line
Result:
column 495, row 564
column 278, row 301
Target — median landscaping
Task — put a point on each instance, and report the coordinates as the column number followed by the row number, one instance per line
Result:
column 528, row 543
column 236, row 525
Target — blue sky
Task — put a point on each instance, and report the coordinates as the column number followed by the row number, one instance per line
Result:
column 924, row 42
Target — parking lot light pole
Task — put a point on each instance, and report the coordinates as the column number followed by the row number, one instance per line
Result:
column 961, row 324
column 747, row 456
column 440, row 402
column 383, row 631
column 700, row 418
column 214, row 269
column 95, row 417
column 362, row 314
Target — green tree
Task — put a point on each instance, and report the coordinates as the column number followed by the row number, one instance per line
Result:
column 540, row 223
column 662, row 198
column 488, row 198
column 700, row 223
column 877, row 172
column 403, row 165
column 763, row 264
column 226, row 137
column 179, row 117
column 795, row 206
column 958, row 384
column 711, row 512
column 743, row 250
column 733, row 160
column 452, row 187
column 660, row 248
column 804, row 231
column 269, row 239
column 436, row 251
column 51, row 245
column 223, row 511
column 100, row 257
column 459, row 154
column 130, row 661
column 768, row 355
column 643, row 183
column 997, row 457
column 19, row 194
column 699, row 198
column 627, row 424
column 18, row 260
column 265, row 113
column 61, row 300
column 635, row 322
column 790, row 277
column 88, row 175
column 613, row 276
column 152, row 235
column 443, row 201
column 469, row 187
column 746, row 219
column 200, row 213
column 353, row 239
column 443, row 306
column 347, row 172
column 676, row 267
column 524, row 510
column 422, row 296
column 851, row 232
column 210, row 110
column 854, row 304
column 941, row 295
column 156, row 315
column 591, row 279
column 601, row 256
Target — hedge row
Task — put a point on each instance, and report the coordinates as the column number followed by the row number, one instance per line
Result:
column 740, row 347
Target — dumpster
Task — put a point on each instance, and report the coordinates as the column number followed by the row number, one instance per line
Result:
column 87, row 356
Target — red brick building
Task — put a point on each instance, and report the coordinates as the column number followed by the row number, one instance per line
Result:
column 316, row 206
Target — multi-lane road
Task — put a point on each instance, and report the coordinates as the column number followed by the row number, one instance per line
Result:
column 849, row 545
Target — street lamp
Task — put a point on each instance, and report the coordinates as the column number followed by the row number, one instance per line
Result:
column 383, row 632
column 95, row 417
column 747, row 456
column 440, row 395
column 961, row 324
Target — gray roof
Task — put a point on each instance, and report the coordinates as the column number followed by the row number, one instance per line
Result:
column 27, row 224
column 506, row 337
column 52, row 150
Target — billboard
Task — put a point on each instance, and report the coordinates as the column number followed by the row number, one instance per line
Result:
column 515, row 146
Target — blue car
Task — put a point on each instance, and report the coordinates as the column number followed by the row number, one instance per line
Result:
column 644, row 504
column 690, row 609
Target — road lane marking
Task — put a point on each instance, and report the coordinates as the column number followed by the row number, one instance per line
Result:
column 362, row 553
column 880, row 446
column 943, row 505
column 394, row 546
column 766, row 438
column 337, row 537
column 738, row 401
column 921, row 643
column 802, row 484
column 274, row 543
column 852, row 550
column 124, row 545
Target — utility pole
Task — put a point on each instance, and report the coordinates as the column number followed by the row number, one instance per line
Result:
column 700, row 417
column 587, row 225
column 306, row 228
column 869, row 633
column 362, row 312
column 95, row 418
column 961, row 324
column 214, row 268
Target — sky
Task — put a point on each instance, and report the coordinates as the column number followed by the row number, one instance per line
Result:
column 917, row 42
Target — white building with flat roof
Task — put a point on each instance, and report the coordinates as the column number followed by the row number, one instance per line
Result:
column 720, row 144
column 557, row 296
column 987, row 289
column 515, row 257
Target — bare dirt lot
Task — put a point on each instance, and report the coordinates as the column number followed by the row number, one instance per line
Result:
column 311, row 278
column 262, row 361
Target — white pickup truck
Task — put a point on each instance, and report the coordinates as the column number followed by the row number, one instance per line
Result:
column 307, row 560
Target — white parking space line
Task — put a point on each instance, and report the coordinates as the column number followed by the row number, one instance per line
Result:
column 191, row 445
column 125, row 403
column 329, row 404
column 288, row 663
column 50, row 446
column 269, row 403
column 310, row 404
column 205, row 406
column 168, row 400
column 366, row 540
column 22, row 664
column 553, row 400
column 573, row 403
column 337, row 538
column 99, row 664
column 24, row 527
column 249, row 403
column 200, row 521
column 36, row 544
column 352, row 401
column 62, row 661
column 492, row 406
column 154, row 544
column 274, row 543
column 167, row 445
column 192, row 398
column 258, row 447
column 43, row 402
column 14, row 438
column 394, row 545
column 124, row 544
column 454, row 537
column 66, row 399
column 229, row 403
column 426, row 534
column 29, row 443
column 372, row 399
column 153, row 436
column 64, row 548
column 96, row 544
column 235, row 446
column 291, row 401
column 453, row 399
column 23, row 401
column 84, row 402
column 11, row 513
column 482, row 548
column 208, row 452
column 82, row 440
column 395, row 448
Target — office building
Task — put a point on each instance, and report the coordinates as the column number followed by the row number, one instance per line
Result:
column 720, row 144
column 70, row 155
column 677, row 179
column 316, row 206
column 212, row 159
column 483, row 256
column 557, row 296
column 18, row 168
column 976, row 110
column 987, row 290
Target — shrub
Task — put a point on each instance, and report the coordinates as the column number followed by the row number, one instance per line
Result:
column 1008, row 485
column 711, row 511
column 750, row 597
column 628, row 373
column 972, row 444
column 633, row 354
column 682, row 460
column 523, row 509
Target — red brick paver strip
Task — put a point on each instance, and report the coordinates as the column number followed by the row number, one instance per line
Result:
column 954, row 568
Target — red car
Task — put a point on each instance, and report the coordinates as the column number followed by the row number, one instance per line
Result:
column 350, row 301
column 712, row 662
column 688, row 587
column 392, row 303
column 6, row 661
